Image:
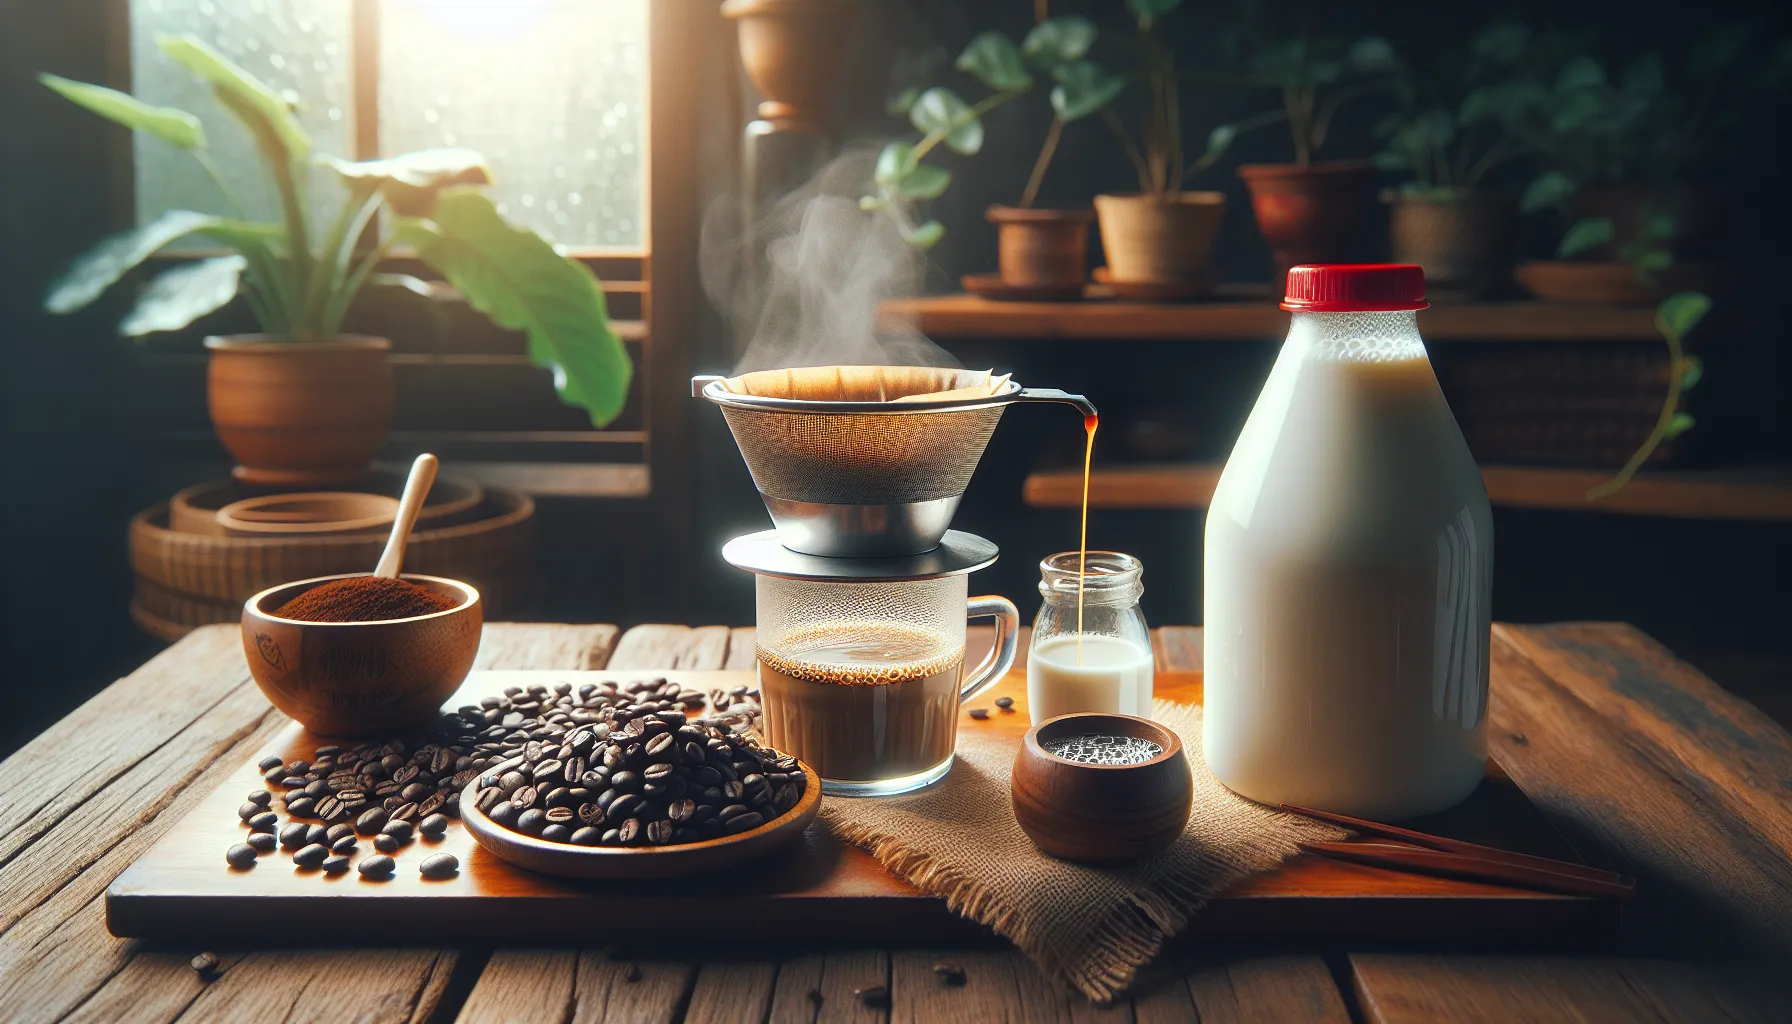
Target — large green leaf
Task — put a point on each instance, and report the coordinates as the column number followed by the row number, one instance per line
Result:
column 166, row 123
column 1584, row 234
column 515, row 277
column 1680, row 312
column 1372, row 55
column 1504, row 103
column 110, row 260
column 179, row 296
column 1579, row 73
column 927, row 235
column 1083, row 88
column 1551, row 188
column 996, row 62
column 412, row 181
column 940, row 110
column 254, row 98
column 1057, row 41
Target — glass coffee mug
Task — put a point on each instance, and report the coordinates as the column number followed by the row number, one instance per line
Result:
column 863, row 680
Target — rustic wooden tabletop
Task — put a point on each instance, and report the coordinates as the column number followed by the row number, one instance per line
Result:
column 1640, row 761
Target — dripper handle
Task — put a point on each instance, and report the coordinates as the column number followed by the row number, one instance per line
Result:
column 1054, row 395
column 703, row 380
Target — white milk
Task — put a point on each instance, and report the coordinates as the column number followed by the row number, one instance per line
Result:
column 1114, row 677
column 1348, row 578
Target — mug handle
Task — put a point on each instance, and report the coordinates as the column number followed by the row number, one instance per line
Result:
column 1000, row 658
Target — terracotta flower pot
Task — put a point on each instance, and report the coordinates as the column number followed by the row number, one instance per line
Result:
column 1307, row 213
column 1161, row 240
column 1630, row 207
column 1041, row 248
column 1462, row 238
column 791, row 49
column 300, row 414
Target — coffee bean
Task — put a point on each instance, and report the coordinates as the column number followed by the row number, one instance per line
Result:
column 622, row 808
column 874, row 995
column 557, row 832
column 949, row 972
column 266, row 821
column 335, row 832
column 512, row 781
column 335, row 865
column 293, row 836
column 1005, row 703
column 660, row 747
column 343, row 845
column 311, row 856
column 531, row 822
column 523, row 798
column 559, row 815
column 241, row 856
column 385, row 843
column 632, row 833
column 261, row 797
column 434, row 825
column 269, row 764
column 417, row 791
column 399, row 830
column 331, row 809
column 316, row 834
column 978, row 713
column 303, row 807
column 733, row 811
column 549, row 770
column 744, row 822
column 437, row 801
column 585, row 836
column 204, row 964
column 371, row 821
column 681, row 810
column 659, row 833
column 611, row 837
column 440, row 865
column 263, row 842
column 405, row 812
column 504, row 813
column 378, row 866
column 249, row 810
column 488, row 798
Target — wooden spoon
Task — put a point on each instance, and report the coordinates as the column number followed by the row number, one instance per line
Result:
column 416, row 488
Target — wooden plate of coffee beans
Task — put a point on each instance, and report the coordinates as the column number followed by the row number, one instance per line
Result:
column 647, row 852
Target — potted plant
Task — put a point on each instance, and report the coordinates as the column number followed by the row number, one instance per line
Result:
column 1448, row 139
column 301, row 404
column 1623, row 157
column 1159, row 240
column 1039, row 251
column 1307, row 209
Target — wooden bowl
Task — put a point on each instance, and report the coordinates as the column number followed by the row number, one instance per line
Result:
column 1101, row 812
column 357, row 679
column 633, row 862
column 308, row 514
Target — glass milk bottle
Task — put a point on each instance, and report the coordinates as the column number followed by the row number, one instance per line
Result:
column 1349, row 568
column 1107, row 664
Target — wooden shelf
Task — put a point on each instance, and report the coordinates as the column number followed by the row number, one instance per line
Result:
column 1761, row 494
column 1099, row 318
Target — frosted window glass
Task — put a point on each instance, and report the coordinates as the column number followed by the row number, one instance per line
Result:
column 553, row 92
column 300, row 47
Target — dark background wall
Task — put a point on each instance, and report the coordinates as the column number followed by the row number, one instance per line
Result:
column 1714, row 591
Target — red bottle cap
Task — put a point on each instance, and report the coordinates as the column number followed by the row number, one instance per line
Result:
column 1355, row 287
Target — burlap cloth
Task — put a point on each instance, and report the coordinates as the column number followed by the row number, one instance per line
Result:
column 1092, row 927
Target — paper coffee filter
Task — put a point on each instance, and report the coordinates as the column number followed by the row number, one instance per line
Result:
column 868, row 383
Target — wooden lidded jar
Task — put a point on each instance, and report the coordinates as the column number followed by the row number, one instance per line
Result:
column 1101, row 812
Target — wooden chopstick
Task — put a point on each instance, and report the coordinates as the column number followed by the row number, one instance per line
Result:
column 1476, row 850
column 1457, row 865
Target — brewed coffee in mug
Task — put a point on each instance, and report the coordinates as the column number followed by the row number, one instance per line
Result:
column 863, row 680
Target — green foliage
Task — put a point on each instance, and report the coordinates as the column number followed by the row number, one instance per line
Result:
column 165, row 123
column 1083, row 88
column 1549, row 189
column 300, row 289
column 515, row 277
column 993, row 59
column 1675, row 318
column 1584, row 234
column 1145, row 10
column 1058, row 41
column 1679, row 313
column 940, row 111
column 1454, row 125
column 1314, row 76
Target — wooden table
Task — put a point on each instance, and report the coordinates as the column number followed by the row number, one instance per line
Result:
column 1639, row 759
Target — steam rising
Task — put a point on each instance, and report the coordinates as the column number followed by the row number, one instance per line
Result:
column 801, row 285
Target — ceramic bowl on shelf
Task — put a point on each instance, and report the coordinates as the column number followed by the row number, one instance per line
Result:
column 357, row 679
column 1093, row 812
column 634, row 862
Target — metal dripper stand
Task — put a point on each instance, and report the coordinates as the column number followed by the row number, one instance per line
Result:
column 861, row 494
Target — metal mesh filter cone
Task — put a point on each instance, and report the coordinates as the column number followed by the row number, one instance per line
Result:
column 862, row 459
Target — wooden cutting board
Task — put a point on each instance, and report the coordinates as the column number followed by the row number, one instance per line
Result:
column 819, row 889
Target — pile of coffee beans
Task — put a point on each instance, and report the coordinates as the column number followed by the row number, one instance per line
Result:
column 642, row 773
column 388, row 792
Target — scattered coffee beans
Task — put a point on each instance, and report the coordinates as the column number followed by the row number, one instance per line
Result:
column 1005, row 703
column 377, row 866
column 312, row 856
column 241, row 856
column 979, row 713
column 263, row 842
column 949, row 972
column 631, row 770
column 204, row 964
column 875, row 995
column 385, row 843
column 336, row 865
column 441, row 865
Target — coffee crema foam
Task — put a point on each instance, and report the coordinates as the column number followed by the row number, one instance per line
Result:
column 1101, row 748
column 859, row 654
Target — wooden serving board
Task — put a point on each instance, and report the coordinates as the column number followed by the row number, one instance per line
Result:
column 818, row 888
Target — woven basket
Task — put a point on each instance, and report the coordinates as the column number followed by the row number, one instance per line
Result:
column 185, row 580
column 1557, row 404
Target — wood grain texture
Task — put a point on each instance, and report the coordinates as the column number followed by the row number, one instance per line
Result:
column 1234, row 989
column 732, row 992
column 658, row 646
column 1646, row 764
column 969, row 316
column 85, row 799
column 1398, row 989
column 818, row 988
column 1749, row 494
column 583, row 987
column 999, row 985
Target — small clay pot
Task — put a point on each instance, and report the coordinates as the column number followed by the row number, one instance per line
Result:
column 1164, row 241
column 1101, row 812
column 1307, row 212
column 1613, row 284
column 791, row 49
column 302, row 415
column 356, row 679
column 1463, row 238
column 1041, row 248
column 1694, row 211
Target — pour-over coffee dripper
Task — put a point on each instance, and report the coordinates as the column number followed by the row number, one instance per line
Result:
column 848, row 472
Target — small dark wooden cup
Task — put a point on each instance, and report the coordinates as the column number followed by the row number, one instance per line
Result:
column 1101, row 812
column 355, row 679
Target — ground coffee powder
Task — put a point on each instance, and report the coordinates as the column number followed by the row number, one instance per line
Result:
column 364, row 599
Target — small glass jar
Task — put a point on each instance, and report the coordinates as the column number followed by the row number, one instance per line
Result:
column 1107, row 664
